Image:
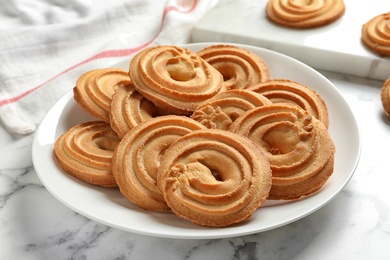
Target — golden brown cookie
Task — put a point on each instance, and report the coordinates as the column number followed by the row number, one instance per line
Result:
column 174, row 78
column 292, row 92
column 220, row 111
column 214, row 178
column 240, row 67
column 303, row 14
column 385, row 97
column 137, row 158
column 85, row 151
column 128, row 109
column 94, row 90
column 376, row 34
column 298, row 147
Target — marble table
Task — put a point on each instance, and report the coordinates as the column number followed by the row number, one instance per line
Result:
column 354, row 225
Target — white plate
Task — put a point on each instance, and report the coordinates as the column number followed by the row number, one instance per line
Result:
column 109, row 207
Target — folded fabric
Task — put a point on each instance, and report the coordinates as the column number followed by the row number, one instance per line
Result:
column 45, row 46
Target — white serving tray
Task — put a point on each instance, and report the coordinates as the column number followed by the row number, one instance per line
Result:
column 335, row 47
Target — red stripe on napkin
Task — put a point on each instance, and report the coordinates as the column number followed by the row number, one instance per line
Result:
column 103, row 54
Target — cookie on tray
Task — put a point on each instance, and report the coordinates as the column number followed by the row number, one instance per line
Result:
column 376, row 34
column 304, row 14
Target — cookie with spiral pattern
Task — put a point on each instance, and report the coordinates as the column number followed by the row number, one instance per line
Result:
column 303, row 14
column 214, row 177
column 85, row 151
column 220, row 111
column 376, row 34
column 137, row 158
column 174, row 78
column 94, row 90
column 292, row 92
column 385, row 97
column 128, row 109
column 239, row 67
column 298, row 146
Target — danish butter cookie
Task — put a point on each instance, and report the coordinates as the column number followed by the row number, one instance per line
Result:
column 298, row 147
column 302, row 14
column 174, row 78
column 94, row 90
column 128, row 109
column 376, row 34
column 214, row 178
column 292, row 92
column 240, row 68
column 220, row 111
column 85, row 151
column 137, row 158
column 385, row 96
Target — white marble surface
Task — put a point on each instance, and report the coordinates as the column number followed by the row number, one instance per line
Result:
column 334, row 47
column 354, row 225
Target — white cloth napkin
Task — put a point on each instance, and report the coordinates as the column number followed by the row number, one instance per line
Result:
column 46, row 45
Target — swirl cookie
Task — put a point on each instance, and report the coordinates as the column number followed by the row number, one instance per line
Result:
column 292, row 92
column 239, row 67
column 303, row 14
column 376, row 34
column 298, row 147
column 385, row 97
column 174, row 78
column 85, row 151
column 214, row 178
column 137, row 158
column 94, row 90
column 220, row 111
column 128, row 109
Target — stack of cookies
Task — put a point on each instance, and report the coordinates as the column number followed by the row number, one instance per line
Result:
column 207, row 135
